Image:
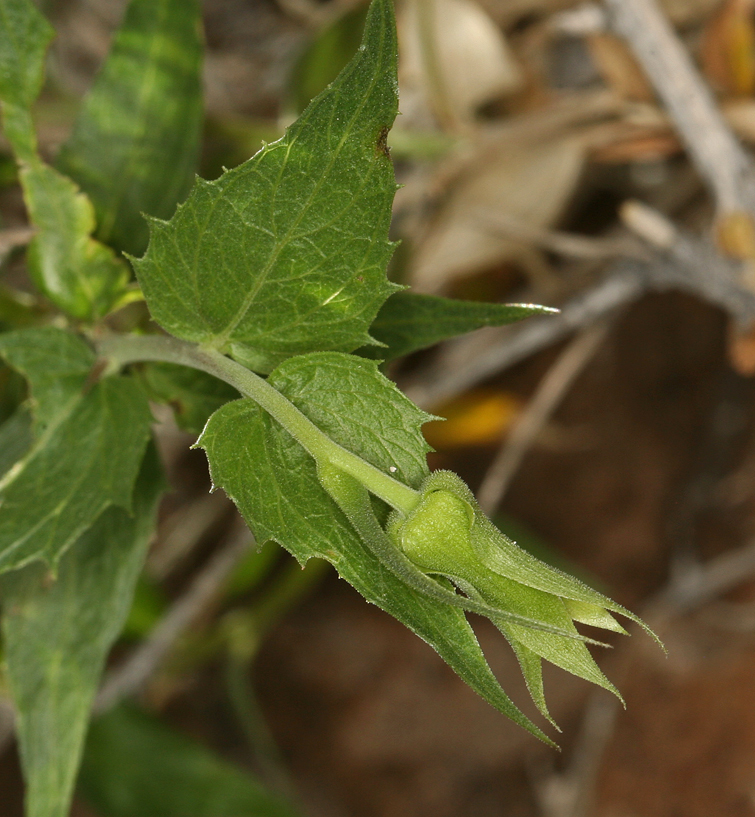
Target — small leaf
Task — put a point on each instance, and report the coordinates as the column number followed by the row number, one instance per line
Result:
column 409, row 321
column 593, row 615
column 504, row 557
column 499, row 554
column 531, row 666
column 286, row 253
column 77, row 273
column 135, row 766
column 193, row 395
column 274, row 483
column 86, row 459
column 57, row 634
column 24, row 37
column 135, row 142
column 442, row 536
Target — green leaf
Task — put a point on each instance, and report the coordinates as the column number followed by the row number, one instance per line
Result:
column 135, row 766
column 193, row 395
column 497, row 553
column 531, row 666
column 286, row 254
column 569, row 654
column 24, row 37
column 409, row 321
column 57, row 633
column 56, row 364
column 274, row 484
column 135, row 142
column 77, row 273
column 15, row 439
column 85, row 458
column 505, row 558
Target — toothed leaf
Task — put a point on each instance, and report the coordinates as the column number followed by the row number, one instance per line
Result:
column 351, row 401
column 86, row 453
column 286, row 254
column 55, row 363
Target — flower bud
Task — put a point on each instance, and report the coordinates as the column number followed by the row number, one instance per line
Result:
column 447, row 535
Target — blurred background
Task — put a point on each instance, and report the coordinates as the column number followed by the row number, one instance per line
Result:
column 540, row 163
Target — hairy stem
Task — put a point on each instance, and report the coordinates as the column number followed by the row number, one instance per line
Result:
column 120, row 350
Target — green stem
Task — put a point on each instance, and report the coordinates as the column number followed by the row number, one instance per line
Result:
column 123, row 349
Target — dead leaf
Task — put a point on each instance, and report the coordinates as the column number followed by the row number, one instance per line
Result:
column 728, row 48
column 619, row 68
column 524, row 180
column 480, row 417
column 453, row 59
column 638, row 147
column 735, row 235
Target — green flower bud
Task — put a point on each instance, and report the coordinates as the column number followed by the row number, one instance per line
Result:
column 448, row 535
column 436, row 536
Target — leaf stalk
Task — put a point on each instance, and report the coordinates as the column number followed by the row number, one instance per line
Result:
column 120, row 350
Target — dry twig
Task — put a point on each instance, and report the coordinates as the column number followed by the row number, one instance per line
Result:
column 445, row 380
column 569, row 245
column 183, row 531
column 718, row 156
column 133, row 674
column 549, row 394
column 689, row 264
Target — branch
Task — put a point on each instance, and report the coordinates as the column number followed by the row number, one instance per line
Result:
column 681, row 261
column 717, row 155
column 183, row 530
column 699, row 584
